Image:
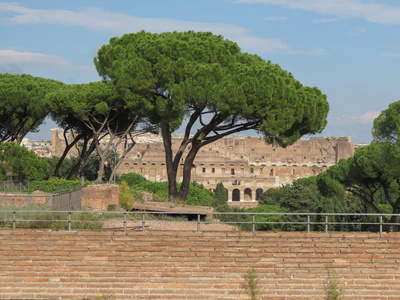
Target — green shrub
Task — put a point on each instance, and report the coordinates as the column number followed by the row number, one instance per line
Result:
column 268, row 218
column 125, row 196
column 133, row 178
column 55, row 185
column 112, row 207
column 250, row 284
column 197, row 195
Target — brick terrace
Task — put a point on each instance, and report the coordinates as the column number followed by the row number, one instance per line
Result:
column 38, row 264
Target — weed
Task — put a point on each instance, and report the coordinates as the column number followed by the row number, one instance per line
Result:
column 333, row 289
column 250, row 285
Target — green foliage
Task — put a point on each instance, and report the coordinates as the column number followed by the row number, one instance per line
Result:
column 268, row 218
column 126, row 200
column 133, row 178
column 220, row 199
column 112, row 207
column 158, row 189
column 202, row 70
column 386, row 126
column 22, row 108
column 89, row 172
column 371, row 175
column 251, row 284
column 333, row 289
column 197, row 195
column 92, row 110
column 304, row 196
column 196, row 76
column 20, row 164
column 55, row 185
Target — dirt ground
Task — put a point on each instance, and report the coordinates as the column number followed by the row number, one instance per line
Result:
column 168, row 225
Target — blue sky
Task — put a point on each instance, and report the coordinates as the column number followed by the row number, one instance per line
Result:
column 350, row 49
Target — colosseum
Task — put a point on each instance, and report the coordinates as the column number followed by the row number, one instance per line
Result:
column 246, row 165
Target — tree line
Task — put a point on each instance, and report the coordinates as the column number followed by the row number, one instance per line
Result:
column 198, row 81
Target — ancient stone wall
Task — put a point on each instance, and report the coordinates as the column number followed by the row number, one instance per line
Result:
column 43, row 264
column 247, row 166
column 98, row 197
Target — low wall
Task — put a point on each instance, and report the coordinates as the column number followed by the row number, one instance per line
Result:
column 189, row 265
column 98, row 197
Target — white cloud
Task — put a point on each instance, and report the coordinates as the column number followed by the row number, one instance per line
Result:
column 14, row 60
column 328, row 20
column 96, row 19
column 371, row 11
column 357, row 32
column 275, row 18
column 388, row 54
column 346, row 120
column 318, row 51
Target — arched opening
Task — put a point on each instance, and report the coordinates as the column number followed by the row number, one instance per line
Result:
column 259, row 192
column 247, row 194
column 235, row 195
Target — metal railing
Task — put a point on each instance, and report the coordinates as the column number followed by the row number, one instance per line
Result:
column 13, row 218
column 69, row 200
column 14, row 187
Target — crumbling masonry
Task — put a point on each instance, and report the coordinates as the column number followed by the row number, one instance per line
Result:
column 246, row 165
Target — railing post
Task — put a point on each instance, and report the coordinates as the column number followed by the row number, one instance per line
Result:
column 380, row 225
column 69, row 221
column 14, row 221
column 143, row 222
column 5, row 206
column 254, row 223
column 124, row 222
column 308, row 223
column 198, row 222
column 326, row 224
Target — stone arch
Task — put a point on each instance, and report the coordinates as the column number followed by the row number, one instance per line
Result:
column 236, row 195
column 248, row 194
column 259, row 192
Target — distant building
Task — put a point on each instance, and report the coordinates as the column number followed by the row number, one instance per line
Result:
column 41, row 148
column 247, row 166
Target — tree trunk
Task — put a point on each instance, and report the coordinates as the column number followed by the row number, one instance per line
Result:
column 125, row 152
column 187, row 172
column 64, row 155
column 172, row 167
column 78, row 168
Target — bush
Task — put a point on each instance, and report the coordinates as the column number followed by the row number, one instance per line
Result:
column 133, row 179
column 268, row 218
column 20, row 164
column 197, row 195
column 55, row 185
column 125, row 196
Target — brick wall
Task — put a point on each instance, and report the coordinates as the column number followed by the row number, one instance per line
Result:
column 188, row 265
column 98, row 197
